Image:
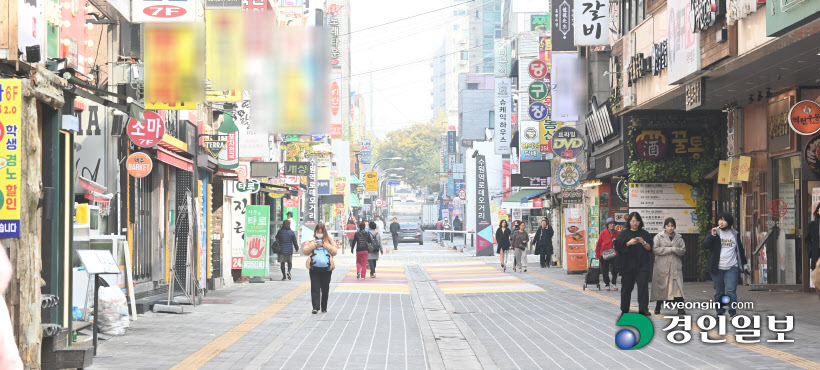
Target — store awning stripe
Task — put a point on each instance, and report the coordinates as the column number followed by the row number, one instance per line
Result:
column 354, row 180
column 525, row 194
column 354, row 201
column 175, row 160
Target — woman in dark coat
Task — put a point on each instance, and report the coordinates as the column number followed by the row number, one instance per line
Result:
column 543, row 243
column 813, row 240
column 502, row 237
column 634, row 247
column 288, row 244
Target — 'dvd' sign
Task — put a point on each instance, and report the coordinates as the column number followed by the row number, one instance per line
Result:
column 567, row 143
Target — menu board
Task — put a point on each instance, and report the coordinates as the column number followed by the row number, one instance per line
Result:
column 662, row 195
column 686, row 219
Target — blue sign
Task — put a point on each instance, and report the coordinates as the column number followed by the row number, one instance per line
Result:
column 323, row 187
column 538, row 111
column 317, row 138
column 451, row 208
column 394, row 183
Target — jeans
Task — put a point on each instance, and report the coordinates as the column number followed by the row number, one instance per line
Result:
column 629, row 279
column 319, row 283
column 606, row 268
column 726, row 285
column 438, row 237
column 372, row 264
column 361, row 262
column 520, row 258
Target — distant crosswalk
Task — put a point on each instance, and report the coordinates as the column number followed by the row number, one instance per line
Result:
column 475, row 277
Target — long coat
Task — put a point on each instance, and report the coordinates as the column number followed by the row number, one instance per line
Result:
column 543, row 241
column 667, row 277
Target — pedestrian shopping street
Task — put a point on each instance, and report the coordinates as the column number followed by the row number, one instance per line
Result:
column 432, row 307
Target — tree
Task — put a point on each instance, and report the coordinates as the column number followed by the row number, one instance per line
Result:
column 418, row 146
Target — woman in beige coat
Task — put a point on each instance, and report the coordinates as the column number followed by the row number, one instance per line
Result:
column 667, row 278
column 320, row 265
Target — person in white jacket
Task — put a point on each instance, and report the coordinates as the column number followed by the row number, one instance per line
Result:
column 9, row 355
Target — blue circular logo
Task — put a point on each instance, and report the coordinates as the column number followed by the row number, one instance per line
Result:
column 725, row 299
column 625, row 339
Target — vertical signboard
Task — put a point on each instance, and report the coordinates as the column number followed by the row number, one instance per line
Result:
column 503, row 59
column 173, row 74
column 291, row 205
column 530, row 141
column 311, row 216
column 503, row 110
column 257, row 229
column 371, row 181
column 484, row 229
column 451, row 142
column 684, row 46
column 224, row 41
column 10, row 158
column 545, row 136
column 336, row 105
column 239, row 204
column 575, row 239
column 591, row 22
column 562, row 26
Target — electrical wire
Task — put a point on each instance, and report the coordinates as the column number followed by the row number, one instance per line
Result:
column 406, row 18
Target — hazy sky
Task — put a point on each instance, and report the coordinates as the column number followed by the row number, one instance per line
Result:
column 400, row 95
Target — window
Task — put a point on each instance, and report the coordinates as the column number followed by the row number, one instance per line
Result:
column 465, row 55
column 498, row 34
column 472, row 86
column 492, row 17
column 492, row 120
column 488, row 42
column 633, row 12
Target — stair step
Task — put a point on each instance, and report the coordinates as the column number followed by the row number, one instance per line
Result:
column 75, row 357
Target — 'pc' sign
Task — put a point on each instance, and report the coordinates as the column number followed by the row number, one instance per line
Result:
column 158, row 11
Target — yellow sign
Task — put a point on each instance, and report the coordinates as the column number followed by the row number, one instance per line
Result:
column 173, row 76
column 371, row 181
column 744, row 169
column 10, row 158
column 224, row 52
column 724, row 172
column 734, row 167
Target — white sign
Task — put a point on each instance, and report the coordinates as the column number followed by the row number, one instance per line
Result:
column 591, row 22
column 684, row 46
column 503, row 115
column 686, row 220
column 163, row 11
column 662, row 195
column 254, row 146
column 237, row 232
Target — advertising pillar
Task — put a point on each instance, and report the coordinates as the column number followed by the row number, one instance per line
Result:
column 255, row 261
column 575, row 239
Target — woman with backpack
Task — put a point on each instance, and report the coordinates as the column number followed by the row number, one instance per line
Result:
column 373, row 254
column 361, row 247
column 288, row 245
column 320, row 265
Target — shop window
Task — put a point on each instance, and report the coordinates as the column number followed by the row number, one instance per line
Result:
column 633, row 12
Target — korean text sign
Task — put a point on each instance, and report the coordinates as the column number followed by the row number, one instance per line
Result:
column 591, row 22
column 10, row 180
column 255, row 261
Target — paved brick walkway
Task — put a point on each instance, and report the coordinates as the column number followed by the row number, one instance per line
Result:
column 433, row 308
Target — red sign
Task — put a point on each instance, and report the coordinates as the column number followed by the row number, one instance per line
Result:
column 778, row 208
column 335, row 98
column 146, row 134
column 804, row 117
column 139, row 164
column 379, row 202
column 175, row 160
column 164, row 11
column 651, row 145
column 462, row 194
column 291, row 202
column 538, row 203
column 538, row 69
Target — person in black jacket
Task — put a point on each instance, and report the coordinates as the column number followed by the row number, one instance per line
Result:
column 813, row 239
column 634, row 247
column 394, row 233
column 543, row 243
column 288, row 245
column 359, row 245
column 502, row 237
column 725, row 260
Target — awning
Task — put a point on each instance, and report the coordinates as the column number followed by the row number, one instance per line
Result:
column 355, row 180
column 175, row 160
column 354, row 201
column 514, row 200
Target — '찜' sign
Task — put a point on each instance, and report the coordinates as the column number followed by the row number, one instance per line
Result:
column 146, row 134
column 10, row 158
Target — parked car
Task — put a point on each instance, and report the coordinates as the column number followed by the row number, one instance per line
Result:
column 410, row 232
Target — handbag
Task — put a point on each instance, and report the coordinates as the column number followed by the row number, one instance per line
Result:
column 608, row 254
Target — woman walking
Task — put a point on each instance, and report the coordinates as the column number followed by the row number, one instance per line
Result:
column 667, row 277
column 320, row 265
column 287, row 246
column 502, row 237
column 359, row 246
column 543, row 243
column 520, row 240
column 373, row 256
column 606, row 242
column 634, row 246
column 350, row 230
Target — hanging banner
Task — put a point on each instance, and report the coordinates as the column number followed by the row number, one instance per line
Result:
column 239, row 203
column 173, row 75
column 484, row 229
column 311, row 215
column 257, row 231
column 575, row 239
column 503, row 109
column 336, row 105
column 591, row 22
column 224, row 48
column 10, row 158
column 562, row 26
